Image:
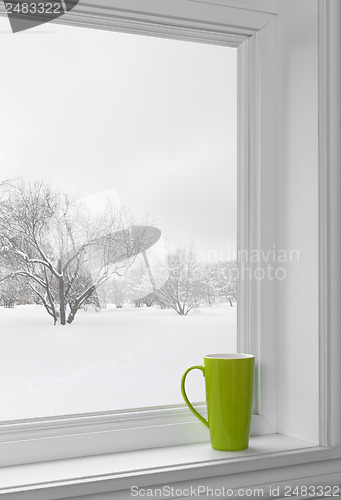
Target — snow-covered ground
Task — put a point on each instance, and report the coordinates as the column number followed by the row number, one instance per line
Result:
column 108, row 360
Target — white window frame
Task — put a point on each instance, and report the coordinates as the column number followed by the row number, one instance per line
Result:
column 250, row 26
column 329, row 217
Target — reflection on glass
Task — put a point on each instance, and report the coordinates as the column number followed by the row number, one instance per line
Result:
column 117, row 219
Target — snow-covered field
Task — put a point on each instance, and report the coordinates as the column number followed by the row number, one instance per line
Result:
column 108, row 360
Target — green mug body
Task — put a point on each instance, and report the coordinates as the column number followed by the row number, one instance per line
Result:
column 229, row 396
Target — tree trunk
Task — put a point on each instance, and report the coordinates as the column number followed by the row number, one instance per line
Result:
column 61, row 294
column 79, row 302
column 50, row 298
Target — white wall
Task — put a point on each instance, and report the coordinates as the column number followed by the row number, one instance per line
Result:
column 297, row 224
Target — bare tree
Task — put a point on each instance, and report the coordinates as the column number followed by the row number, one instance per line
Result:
column 226, row 281
column 209, row 282
column 182, row 291
column 192, row 284
column 63, row 252
column 13, row 291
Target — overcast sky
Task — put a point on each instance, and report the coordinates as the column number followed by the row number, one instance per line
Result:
column 155, row 119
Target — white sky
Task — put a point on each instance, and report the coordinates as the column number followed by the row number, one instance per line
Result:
column 156, row 119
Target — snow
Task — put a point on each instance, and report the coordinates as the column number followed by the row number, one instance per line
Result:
column 108, row 360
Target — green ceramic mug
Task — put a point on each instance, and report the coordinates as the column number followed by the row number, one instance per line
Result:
column 229, row 396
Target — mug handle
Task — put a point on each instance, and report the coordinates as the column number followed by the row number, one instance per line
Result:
column 184, row 395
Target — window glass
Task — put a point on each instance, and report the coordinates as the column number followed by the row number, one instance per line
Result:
column 118, row 215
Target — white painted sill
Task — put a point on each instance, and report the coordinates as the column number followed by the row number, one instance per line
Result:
column 118, row 472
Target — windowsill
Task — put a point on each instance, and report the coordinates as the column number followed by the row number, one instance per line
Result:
column 156, row 466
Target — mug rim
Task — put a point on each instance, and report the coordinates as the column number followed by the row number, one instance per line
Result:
column 236, row 355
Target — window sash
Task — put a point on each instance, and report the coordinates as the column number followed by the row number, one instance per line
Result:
column 80, row 435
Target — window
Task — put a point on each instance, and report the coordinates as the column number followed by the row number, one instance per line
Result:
column 205, row 94
column 117, row 134
column 264, row 214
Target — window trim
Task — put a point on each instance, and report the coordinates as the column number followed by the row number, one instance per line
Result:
column 329, row 72
column 258, row 110
column 103, row 433
column 280, row 460
column 251, row 41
